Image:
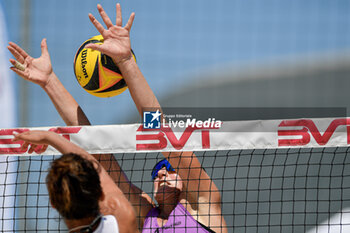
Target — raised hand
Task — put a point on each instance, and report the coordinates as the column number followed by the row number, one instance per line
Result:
column 116, row 38
column 36, row 70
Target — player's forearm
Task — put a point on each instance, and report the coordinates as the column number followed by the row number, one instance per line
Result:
column 64, row 103
column 63, row 145
column 140, row 91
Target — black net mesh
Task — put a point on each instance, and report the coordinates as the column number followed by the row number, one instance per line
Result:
column 272, row 190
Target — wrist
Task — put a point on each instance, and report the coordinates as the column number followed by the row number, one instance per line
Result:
column 49, row 137
column 124, row 60
column 50, row 82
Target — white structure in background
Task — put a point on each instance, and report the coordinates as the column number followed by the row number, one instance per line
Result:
column 7, row 96
column 7, row 120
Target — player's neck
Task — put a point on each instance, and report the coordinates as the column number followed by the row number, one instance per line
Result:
column 75, row 224
column 165, row 210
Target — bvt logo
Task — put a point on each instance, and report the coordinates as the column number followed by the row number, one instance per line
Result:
column 157, row 139
column 306, row 128
column 151, row 120
column 7, row 146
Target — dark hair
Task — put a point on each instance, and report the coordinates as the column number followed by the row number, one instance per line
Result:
column 74, row 187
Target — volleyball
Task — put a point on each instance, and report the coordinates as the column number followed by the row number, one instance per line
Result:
column 96, row 72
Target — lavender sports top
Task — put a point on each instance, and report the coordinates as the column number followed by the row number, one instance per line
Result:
column 179, row 221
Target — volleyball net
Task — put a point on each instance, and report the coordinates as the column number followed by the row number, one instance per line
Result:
column 274, row 176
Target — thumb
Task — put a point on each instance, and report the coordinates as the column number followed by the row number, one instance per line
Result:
column 44, row 50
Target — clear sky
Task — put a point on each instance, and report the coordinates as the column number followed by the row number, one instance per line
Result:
column 175, row 40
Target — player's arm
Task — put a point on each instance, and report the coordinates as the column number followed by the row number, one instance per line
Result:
column 200, row 188
column 39, row 71
column 140, row 200
column 117, row 45
column 113, row 202
column 201, row 193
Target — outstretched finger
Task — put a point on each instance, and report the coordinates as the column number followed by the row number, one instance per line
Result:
column 97, row 24
column 119, row 20
column 42, row 150
column 17, row 65
column 104, row 16
column 16, row 54
column 21, row 73
column 33, row 148
column 19, row 50
column 39, row 149
column 24, row 146
column 130, row 22
column 95, row 47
